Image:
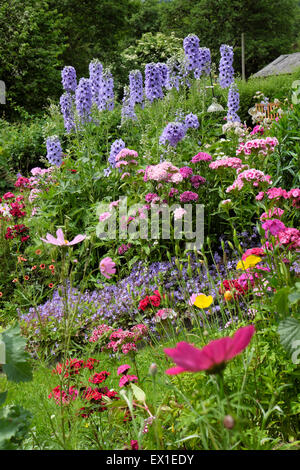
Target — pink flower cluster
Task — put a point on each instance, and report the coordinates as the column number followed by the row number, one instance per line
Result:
column 117, row 339
column 188, row 196
column 60, row 396
column 164, row 314
column 126, row 157
column 258, row 129
column 274, row 212
column 125, row 379
column 262, row 146
column 279, row 193
column 164, row 171
column 253, row 176
column 230, row 162
column 286, row 236
column 201, row 157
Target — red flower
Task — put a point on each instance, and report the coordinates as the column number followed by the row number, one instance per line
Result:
column 212, row 357
column 234, row 286
column 155, row 300
column 144, row 303
column 134, row 445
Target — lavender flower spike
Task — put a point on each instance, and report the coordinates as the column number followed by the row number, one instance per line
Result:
column 54, row 150
column 68, row 75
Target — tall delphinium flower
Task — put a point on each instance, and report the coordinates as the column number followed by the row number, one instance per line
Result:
column 95, row 69
column 116, row 147
column 164, row 71
column 127, row 111
column 225, row 66
column 233, row 104
column 191, row 120
column 153, row 82
column 83, row 98
column 68, row 75
column 173, row 133
column 204, row 62
column 136, row 86
column 192, row 53
column 106, row 91
column 54, row 150
column 66, row 106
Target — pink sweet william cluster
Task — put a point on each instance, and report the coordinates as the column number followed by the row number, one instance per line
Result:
column 164, row 171
column 125, row 379
column 258, row 146
column 258, row 129
column 230, row 162
column 280, row 194
column 286, row 236
column 253, row 176
column 126, row 159
column 118, row 340
column 201, row 157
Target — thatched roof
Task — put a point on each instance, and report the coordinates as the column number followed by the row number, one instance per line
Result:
column 286, row 63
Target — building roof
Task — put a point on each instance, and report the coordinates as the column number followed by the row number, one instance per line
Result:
column 285, row 63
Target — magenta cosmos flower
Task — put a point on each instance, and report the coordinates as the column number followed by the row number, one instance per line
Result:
column 212, row 357
column 60, row 240
column 107, row 267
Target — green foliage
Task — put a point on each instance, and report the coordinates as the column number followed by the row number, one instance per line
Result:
column 14, row 419
column 17, row 367
column 22, row 145
column 151, row 48
column 289, row 332
column 270, row 28
column 14, row 425
column 31, row 47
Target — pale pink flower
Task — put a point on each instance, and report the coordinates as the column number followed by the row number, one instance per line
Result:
column 107, row 267
column 104, row 216
column 60, row 240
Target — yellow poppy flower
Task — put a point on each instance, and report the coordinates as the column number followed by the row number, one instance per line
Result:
column 249, row 262
column 203, row 301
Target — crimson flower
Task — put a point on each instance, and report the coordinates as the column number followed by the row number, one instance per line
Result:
column 212, row 357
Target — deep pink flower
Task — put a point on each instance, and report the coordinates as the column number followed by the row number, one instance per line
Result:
column 123, row 369
column 273, row 226
column 107, row 267
column 213, row 356
column 60, row 240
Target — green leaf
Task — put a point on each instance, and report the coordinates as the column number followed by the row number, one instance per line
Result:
column 289, row 332
column 14, row 424
column 17, row 367
column 3, row 396
column 138, row 393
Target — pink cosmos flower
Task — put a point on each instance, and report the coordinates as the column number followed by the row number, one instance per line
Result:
column 104, row 216
column 60, row 240
column 212, row 357
column 107, row 267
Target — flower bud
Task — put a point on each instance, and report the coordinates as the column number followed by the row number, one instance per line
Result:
column 153, row 369
column 228, row 422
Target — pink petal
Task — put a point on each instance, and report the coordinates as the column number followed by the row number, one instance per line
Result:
column 216, row 351
column 50, row 239
column 175, row 370
column 187, row 357
column 241, row 340
column 60, row 237
column 77, row 239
